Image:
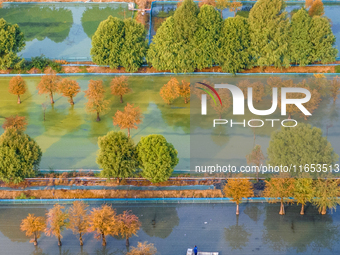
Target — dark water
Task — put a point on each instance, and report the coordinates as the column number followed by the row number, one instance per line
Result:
column 173, row 228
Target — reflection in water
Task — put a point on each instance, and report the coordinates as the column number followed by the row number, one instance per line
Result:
column 299, row 231
column 236, row 235
column 253, row 211
column 40, row 21
column 220, row 135
column 38, row 251
column 158, row 221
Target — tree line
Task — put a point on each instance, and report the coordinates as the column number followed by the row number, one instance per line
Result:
column 102, row 222
column 197, row 38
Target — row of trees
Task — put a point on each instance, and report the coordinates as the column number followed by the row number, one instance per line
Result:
column 120, row 158
column 323, row 193
column 102, row 221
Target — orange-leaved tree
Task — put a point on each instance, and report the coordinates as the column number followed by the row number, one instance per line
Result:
column 49, row 84
column 69, row 88
column 56, row 222
column 16, row 122
column 143, row 249
column 103, row 222
column 17, row 86
column 129, row 118
column 33, row 226
column 120, row 87
column 170, row 91
column 237, row 189
column 335, row 86
column 79, row 219
column 96, row 98
column 128, row 224
column 184, row 91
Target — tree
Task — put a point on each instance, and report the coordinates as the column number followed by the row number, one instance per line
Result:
column 49, row 85
column 78, row 219
column 184, row 91
column 130, row 118
column 128, row 224
column 300, row 46
column 117, row 155
column 12, row 41
column 257, row 158
column 238, row 189
column 279, row 190
column 16, row 122
column 206, row 36
column 269, row 35
column 323, row 40
column 134, row 46
column 303, row 192
column 69, row 88
column 326, row 195
column 170, row 91
column 257, row 89
column 120, row 87
column 96, row 98
column 235, row 6
column 17, row 86
column 300, row 145
column 56, row 222
column 20, row 156
column 316, row 8
column 157, row 158
column 103, row 222
column 33, row 226
column 107, row 42
column 334, row 88
column 143, row 249
column 226, row 102
column 234, row 42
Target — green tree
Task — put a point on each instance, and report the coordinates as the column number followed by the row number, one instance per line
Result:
column 157, row 158
column 269, row 27
column 234, row 42
column 326, row 195
column 134, row 47
column 206, row 36
column 300, row 47
column 116, row 155
column 11, row 42
column 20, row 156
column 107, row 42
column 303, row 192
column 323, row 40
column 300, row 145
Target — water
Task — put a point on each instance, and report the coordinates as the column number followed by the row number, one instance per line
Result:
column 173, row 228
column 60, row 30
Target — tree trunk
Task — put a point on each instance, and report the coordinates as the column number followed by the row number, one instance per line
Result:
column 98, row 118
column 104, row 240
column 289, row 115
column 302, row 212
column 128, row 132
column 324, row 210
column 117, row 180
column 257, row 173
column 81, row 240
column 127, row 243
column 59, row 241
column 51, row 96
column 35, row 242
column 185, row 100
column 237, row 209
column 121, row 98
column 282, row 208
column 19, row 101
column 71, row 101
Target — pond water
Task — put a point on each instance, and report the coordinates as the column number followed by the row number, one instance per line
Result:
column 174, row 228
column 60, row 30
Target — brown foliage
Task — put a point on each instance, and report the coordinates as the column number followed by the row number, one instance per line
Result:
column 235, row 6
column 79, row 219
column 120, row 87
column 184, row 91
column 17, row 86
column 143, row 249
column 49, row 84
column 256, row 157
column 316, row 7
column 129, row 118
column 69, row 88
column 128, row 224
column 335, row 86
column 226, row 102
column 208, row 2
column 17, row 122
column 238, row 189
column 33, row 226
column 56, row 222
column 170, row 91
column 95, row 95
column 103, row 222
column 258, row 89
